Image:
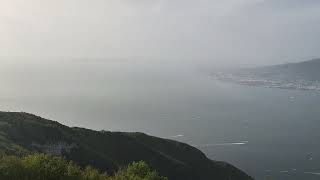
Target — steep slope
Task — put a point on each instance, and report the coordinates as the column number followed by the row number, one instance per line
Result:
column 22, row 133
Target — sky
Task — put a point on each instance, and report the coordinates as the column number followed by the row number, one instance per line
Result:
column 215, row 32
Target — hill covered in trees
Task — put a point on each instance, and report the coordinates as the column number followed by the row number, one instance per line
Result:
column 22, row 134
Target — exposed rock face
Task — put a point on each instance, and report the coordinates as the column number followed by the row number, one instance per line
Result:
column 55, row 148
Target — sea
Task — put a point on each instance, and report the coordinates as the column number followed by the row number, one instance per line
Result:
column 271, row 134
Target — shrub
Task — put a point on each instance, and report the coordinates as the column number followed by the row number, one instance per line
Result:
column 47, row 167
column 137, row 171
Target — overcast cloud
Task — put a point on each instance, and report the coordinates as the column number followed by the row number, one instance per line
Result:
column 228, row 32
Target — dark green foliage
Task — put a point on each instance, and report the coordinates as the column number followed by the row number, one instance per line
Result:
column 46, row 167
column 22, row 134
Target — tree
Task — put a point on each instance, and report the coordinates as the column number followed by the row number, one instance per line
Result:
column 47, row 167
column 137, row 171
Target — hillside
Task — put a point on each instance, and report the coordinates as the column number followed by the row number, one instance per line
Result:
column 303, row 76
column 307, row 70
column 22, row 133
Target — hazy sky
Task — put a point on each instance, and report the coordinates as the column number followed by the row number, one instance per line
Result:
column 222, row 32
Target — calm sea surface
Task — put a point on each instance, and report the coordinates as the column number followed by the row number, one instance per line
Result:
column 269, row 133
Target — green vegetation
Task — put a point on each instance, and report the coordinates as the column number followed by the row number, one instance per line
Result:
column 22, row 134
column 47, row 167
column 136, row 171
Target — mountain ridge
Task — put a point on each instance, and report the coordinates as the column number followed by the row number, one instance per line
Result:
column 306, row 70
column 300, row 76
column 23, row 133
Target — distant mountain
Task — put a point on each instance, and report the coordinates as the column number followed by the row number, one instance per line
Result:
column 23, row 133
column 307, row 70
column 303, row 76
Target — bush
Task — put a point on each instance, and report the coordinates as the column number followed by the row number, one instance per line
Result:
column 137, row 171
column 47, row 167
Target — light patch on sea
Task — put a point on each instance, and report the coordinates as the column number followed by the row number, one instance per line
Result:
column 313, row 173
column 222, row 144
column 176, row 136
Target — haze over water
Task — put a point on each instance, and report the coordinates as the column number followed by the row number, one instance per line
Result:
column 159, row 83
column 265, row 132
